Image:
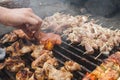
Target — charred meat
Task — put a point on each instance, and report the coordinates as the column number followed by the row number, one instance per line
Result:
column 108, row 70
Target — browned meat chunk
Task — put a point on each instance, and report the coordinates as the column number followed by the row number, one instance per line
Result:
column 14, row 64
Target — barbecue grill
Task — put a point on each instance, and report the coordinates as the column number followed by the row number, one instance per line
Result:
column 64, row 52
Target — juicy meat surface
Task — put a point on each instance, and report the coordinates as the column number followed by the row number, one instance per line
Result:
column 43, row 37
column 72, row 66
column 24, row 74
column 9, row 38
column 108, row 70
column 14, row 64
column 38, row 51
column 39, row 62
column 54, row 74
column 39, row 74
column 19, row 48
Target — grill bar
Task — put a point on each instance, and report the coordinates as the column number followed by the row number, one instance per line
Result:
column 67, row 58
column 79, row 73
column 4, row 75
column 76, row 53
column 11, row 76
column 77, row 56
column 81, row 52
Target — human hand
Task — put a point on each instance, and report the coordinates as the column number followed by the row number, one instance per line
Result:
column 19, row 17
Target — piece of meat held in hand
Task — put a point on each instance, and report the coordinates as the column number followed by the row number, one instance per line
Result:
column 24, row 74
column 48, row 39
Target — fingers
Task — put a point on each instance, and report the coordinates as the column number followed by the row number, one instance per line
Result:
column 37, row 18
column 34, row 21
column 31, row 21
column 27, row 18
column 31, row 14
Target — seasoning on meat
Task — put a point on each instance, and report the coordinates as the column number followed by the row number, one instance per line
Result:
column 108, row 70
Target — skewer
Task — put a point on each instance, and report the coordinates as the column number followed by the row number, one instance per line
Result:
column 100, row 24
column 54, row 31
column 97, row 21
column 116, row 30
column 79, row 44
column 85, row 53
column 98, row 56
column 105, row 44
column 70, row 43
column 111, row 27
column 62, row 35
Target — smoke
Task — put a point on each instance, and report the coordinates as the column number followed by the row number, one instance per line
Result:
column 106, row 8
column 15, row 3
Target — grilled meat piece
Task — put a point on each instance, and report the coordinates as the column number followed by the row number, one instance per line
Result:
column 108, row 70
column 89, row 48
column 11, row 37
column 26, row 49
column 115, row 58
column 24, row 74
column 38, row 51
column 21, row 34
column 52, row 61
column 39, row 36
column 39, row 74
column 59, row 22
column 39, row 62
column 14, row 64
column 45, row 37
column 15, row 47
column 54, row 74
column 93, row 36
column 72, row 66
column 19, row 48
column 2, row 65
column 110, row 74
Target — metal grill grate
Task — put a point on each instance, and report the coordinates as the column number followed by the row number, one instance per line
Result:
column 63, row 53
column 68, row 52
column 74, row 52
